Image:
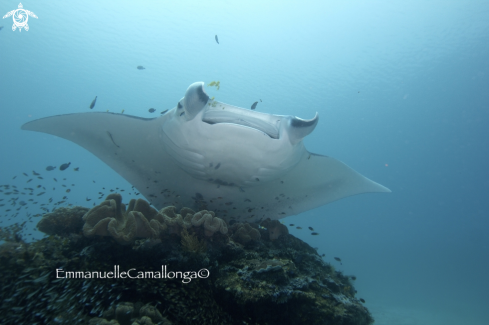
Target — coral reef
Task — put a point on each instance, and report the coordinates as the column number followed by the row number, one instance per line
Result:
column 191, row 243
column 110, row 218
column 243, row 277
column 151, row 312
column 12, row 233
column 211, row 223
column 244, row 233
column 127, row 313
column 62, row 221
column 275, row 228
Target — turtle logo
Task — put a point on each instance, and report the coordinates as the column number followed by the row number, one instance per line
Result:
column 20, row 17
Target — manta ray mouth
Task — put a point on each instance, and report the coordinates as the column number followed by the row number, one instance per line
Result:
column 266, row 123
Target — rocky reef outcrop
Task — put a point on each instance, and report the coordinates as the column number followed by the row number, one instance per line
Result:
column 249, row 274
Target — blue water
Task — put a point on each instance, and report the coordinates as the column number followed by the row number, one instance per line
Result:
column 401, row 88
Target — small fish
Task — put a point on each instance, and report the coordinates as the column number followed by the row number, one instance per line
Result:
column 362, row 300
column 34, row 173
column 164, row 111
column 299, row 227
column 55, row 179
column 314, row 233
column 323, row 255
column 140, row 67
column 68, row 191
column 217, row 40
column 64, row 166
column 260, row 101
column 215, row 83
column 88, row 199
column 310, row 228
column 292, row 225
column 254, row 105
column 50, row 168
column 1, row 27
column 122, row 112
column 92, row 105
column 353, row 277
column 25, row 174
column 14, row 177
column 217, row 166
column 338, row 259
column 151, row 110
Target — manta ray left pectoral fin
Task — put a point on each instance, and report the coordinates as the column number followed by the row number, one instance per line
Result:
column 128, row 144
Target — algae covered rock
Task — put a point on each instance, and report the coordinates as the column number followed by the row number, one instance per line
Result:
column 294, row 287
column 151, row 312
column 124, row 313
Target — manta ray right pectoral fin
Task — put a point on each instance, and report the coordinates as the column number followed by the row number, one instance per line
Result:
column 318, row 180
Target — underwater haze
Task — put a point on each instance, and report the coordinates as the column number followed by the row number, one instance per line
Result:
column 402, row 93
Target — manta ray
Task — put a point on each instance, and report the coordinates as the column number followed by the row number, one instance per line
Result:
column 204, row 154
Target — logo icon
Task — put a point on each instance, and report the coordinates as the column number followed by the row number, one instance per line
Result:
column 20, row 17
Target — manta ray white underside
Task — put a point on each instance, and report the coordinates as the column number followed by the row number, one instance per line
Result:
column 204, row 154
